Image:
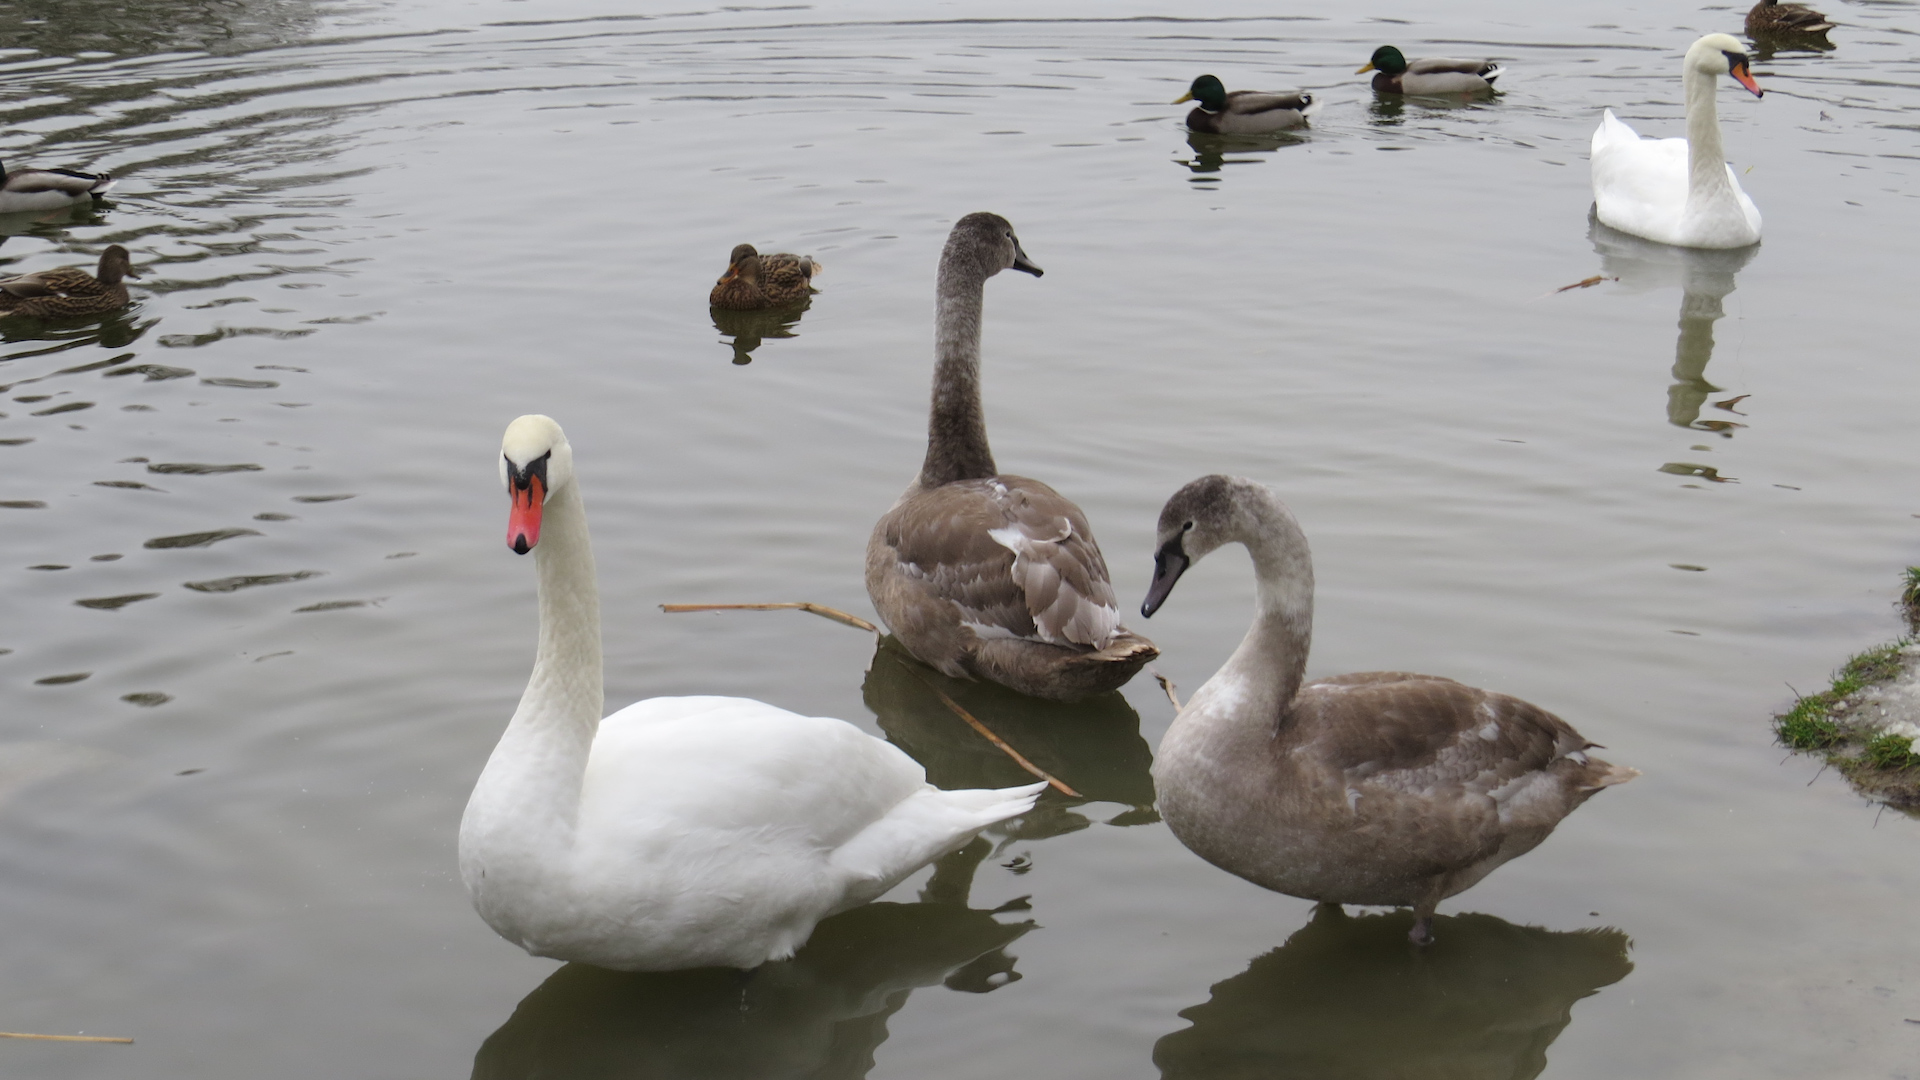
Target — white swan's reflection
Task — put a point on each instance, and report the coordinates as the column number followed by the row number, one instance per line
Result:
column 1349, row 998
column 819, row 1015
column 1705, row 278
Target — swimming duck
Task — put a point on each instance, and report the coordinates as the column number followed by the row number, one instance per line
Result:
column 1381, row 787
column 1395, row 74
column 980, row 574
column 1773, row 17
column 1242, row 112
column 25, row 190
column 680, row 832
column 70, row 291
column 1679, row 191
column 754, row 281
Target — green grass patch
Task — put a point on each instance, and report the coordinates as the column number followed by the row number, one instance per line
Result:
column 1810, row 725
column 1890, row 752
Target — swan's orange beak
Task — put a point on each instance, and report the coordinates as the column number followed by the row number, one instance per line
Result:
column 1745, row 78
column 523, row 522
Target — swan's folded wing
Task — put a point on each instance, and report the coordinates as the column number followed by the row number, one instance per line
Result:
column 1013, row 555
column 1419, row 735
column 1254, row 102
column 920, row 829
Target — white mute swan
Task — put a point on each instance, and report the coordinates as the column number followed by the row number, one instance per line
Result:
column 1679, row 191
column 1380, row 787
column 980, row 574
column 680, row 832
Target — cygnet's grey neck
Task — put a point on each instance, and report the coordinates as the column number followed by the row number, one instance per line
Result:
column 1265, row 672
column 956, row 425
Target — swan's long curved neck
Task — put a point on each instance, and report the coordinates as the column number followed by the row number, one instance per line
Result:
column 1253, row 691
column 956, row 424
column 1706, row 158
column 532, row 782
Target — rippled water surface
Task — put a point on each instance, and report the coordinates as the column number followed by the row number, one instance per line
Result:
column 261, row 630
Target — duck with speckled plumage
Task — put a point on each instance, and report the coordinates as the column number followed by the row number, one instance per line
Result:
column 754, row 281
column 70, row 292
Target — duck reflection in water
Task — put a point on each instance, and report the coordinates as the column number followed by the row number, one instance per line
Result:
column 818, row 1016
column 746, row 329
column 1093, row 746
column 1347, row 997
column 1210, row 152
column 1705, row 278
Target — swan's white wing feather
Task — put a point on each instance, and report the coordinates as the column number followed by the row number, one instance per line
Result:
column 924, row 827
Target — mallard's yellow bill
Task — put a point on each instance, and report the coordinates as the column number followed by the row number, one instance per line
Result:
column 1183, row 98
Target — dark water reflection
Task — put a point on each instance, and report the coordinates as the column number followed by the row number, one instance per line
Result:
column 1093, row 746
column 1706, row 279
column 819, row 1015
column 1210, row 152
column 94, row 26
column 747, row 329
column 1347, row 998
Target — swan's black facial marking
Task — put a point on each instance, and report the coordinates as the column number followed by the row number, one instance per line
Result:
column 518, row 478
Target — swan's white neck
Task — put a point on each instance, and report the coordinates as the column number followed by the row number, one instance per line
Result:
column 1251, row 695
column 526, row 801
column 1706, row 158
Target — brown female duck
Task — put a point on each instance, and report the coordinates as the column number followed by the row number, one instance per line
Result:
column 754, row 281
column 1771, row 17
column 70, row 291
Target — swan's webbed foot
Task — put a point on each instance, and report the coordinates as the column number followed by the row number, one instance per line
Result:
column 1422, row 932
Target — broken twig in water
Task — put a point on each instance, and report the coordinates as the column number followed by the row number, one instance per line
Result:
column 1584, row 283
column 821, row 610
column 1057, row 783
column 1167, row 685
column 64, row 1038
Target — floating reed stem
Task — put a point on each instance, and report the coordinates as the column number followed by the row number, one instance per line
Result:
column 63, row 1038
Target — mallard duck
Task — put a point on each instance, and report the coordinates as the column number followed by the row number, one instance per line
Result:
column 1381, row 787
column 1242, row 112
column 70, row 291
column 754, row 281
column 981, row 574
column 50, row 189
column 1773, row 17
column 680, row 832
column 1395, row 74
column 1679, row 191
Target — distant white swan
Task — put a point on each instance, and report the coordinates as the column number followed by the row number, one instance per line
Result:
column 680, row 832
column 1679, row 191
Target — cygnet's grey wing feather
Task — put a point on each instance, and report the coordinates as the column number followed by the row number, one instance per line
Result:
column 1015, row 557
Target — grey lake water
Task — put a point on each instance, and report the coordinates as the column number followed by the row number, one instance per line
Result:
column 261, row 627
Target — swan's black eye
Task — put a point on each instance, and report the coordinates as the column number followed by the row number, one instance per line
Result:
column 1188, row 527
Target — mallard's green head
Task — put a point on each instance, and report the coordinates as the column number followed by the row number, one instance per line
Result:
column 1210, row 92
column 1385, row 58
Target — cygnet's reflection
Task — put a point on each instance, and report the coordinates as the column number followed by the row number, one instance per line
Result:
column 817, row 1016
column 746, row 329
column 1093, row 746
column 1210, row 152
column 1348, row 997
column 1705, row 277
